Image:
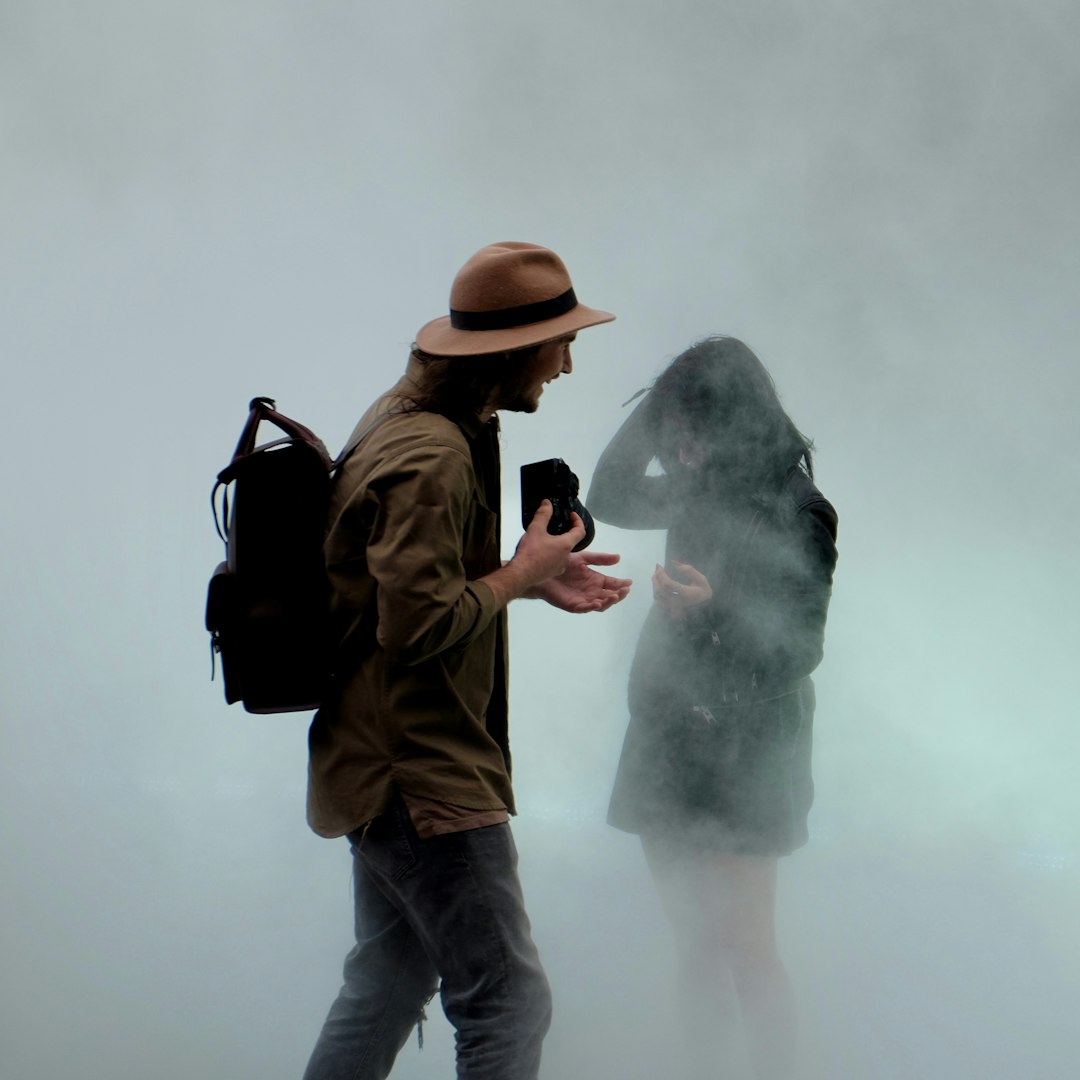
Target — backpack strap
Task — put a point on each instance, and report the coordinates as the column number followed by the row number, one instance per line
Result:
column 359, row 437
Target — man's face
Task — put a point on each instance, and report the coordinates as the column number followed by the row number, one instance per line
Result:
column 552, row 359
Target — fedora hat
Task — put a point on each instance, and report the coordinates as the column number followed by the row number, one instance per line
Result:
column 508, row 296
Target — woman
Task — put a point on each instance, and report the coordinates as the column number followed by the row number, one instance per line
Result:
column 715, row 768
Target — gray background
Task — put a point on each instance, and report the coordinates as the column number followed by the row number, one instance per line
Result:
column 206, row 201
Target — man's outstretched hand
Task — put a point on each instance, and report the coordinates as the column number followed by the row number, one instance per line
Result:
column 580, row 588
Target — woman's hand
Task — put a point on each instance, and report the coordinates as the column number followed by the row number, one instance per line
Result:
column 675, row 598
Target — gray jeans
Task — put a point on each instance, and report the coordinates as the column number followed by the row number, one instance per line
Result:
column 448, row 908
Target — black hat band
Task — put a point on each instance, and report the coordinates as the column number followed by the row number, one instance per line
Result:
column 507, row 318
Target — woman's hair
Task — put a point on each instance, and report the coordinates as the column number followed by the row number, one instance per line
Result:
column 464, row 385
column 719, row 393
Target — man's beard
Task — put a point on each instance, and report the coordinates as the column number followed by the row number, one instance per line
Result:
column 519, row 397
column 521, row 404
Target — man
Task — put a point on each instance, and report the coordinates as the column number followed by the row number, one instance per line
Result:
column 409, row 754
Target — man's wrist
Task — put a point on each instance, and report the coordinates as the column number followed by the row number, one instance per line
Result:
column 507, row 583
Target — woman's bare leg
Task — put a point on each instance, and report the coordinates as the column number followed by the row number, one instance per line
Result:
column 709, row 1010
column 749, row 943
column 722, row 910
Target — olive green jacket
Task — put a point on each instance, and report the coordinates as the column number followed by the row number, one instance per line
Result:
column 418, row 698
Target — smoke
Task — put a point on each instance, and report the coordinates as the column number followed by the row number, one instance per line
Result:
column 208, row 202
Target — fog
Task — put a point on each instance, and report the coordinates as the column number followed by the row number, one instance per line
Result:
column 205, row 202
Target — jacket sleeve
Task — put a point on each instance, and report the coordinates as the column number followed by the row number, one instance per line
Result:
column 621, row 493
column 416, row 553
column 796, row 641
column 786, row 632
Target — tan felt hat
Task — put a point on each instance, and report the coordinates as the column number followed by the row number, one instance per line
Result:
column 508, row 296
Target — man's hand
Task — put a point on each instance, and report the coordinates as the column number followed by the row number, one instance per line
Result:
column 540, row 555
column 676, row 598
column 579, row 588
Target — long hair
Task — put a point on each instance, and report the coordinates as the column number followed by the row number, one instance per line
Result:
column 719, row 393
column 464, row 385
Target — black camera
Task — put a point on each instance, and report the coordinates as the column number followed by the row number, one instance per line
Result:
column 552, row 479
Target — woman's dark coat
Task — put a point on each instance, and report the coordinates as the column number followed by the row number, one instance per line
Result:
column 721, row 702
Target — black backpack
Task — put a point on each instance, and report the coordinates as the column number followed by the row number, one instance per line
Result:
column 267, row 605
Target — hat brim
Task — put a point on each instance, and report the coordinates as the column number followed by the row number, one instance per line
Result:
column 439, row 338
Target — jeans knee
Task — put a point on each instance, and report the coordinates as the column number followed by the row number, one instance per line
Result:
column 516, row 1008
column 502, row 1036
column 541, row 1008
